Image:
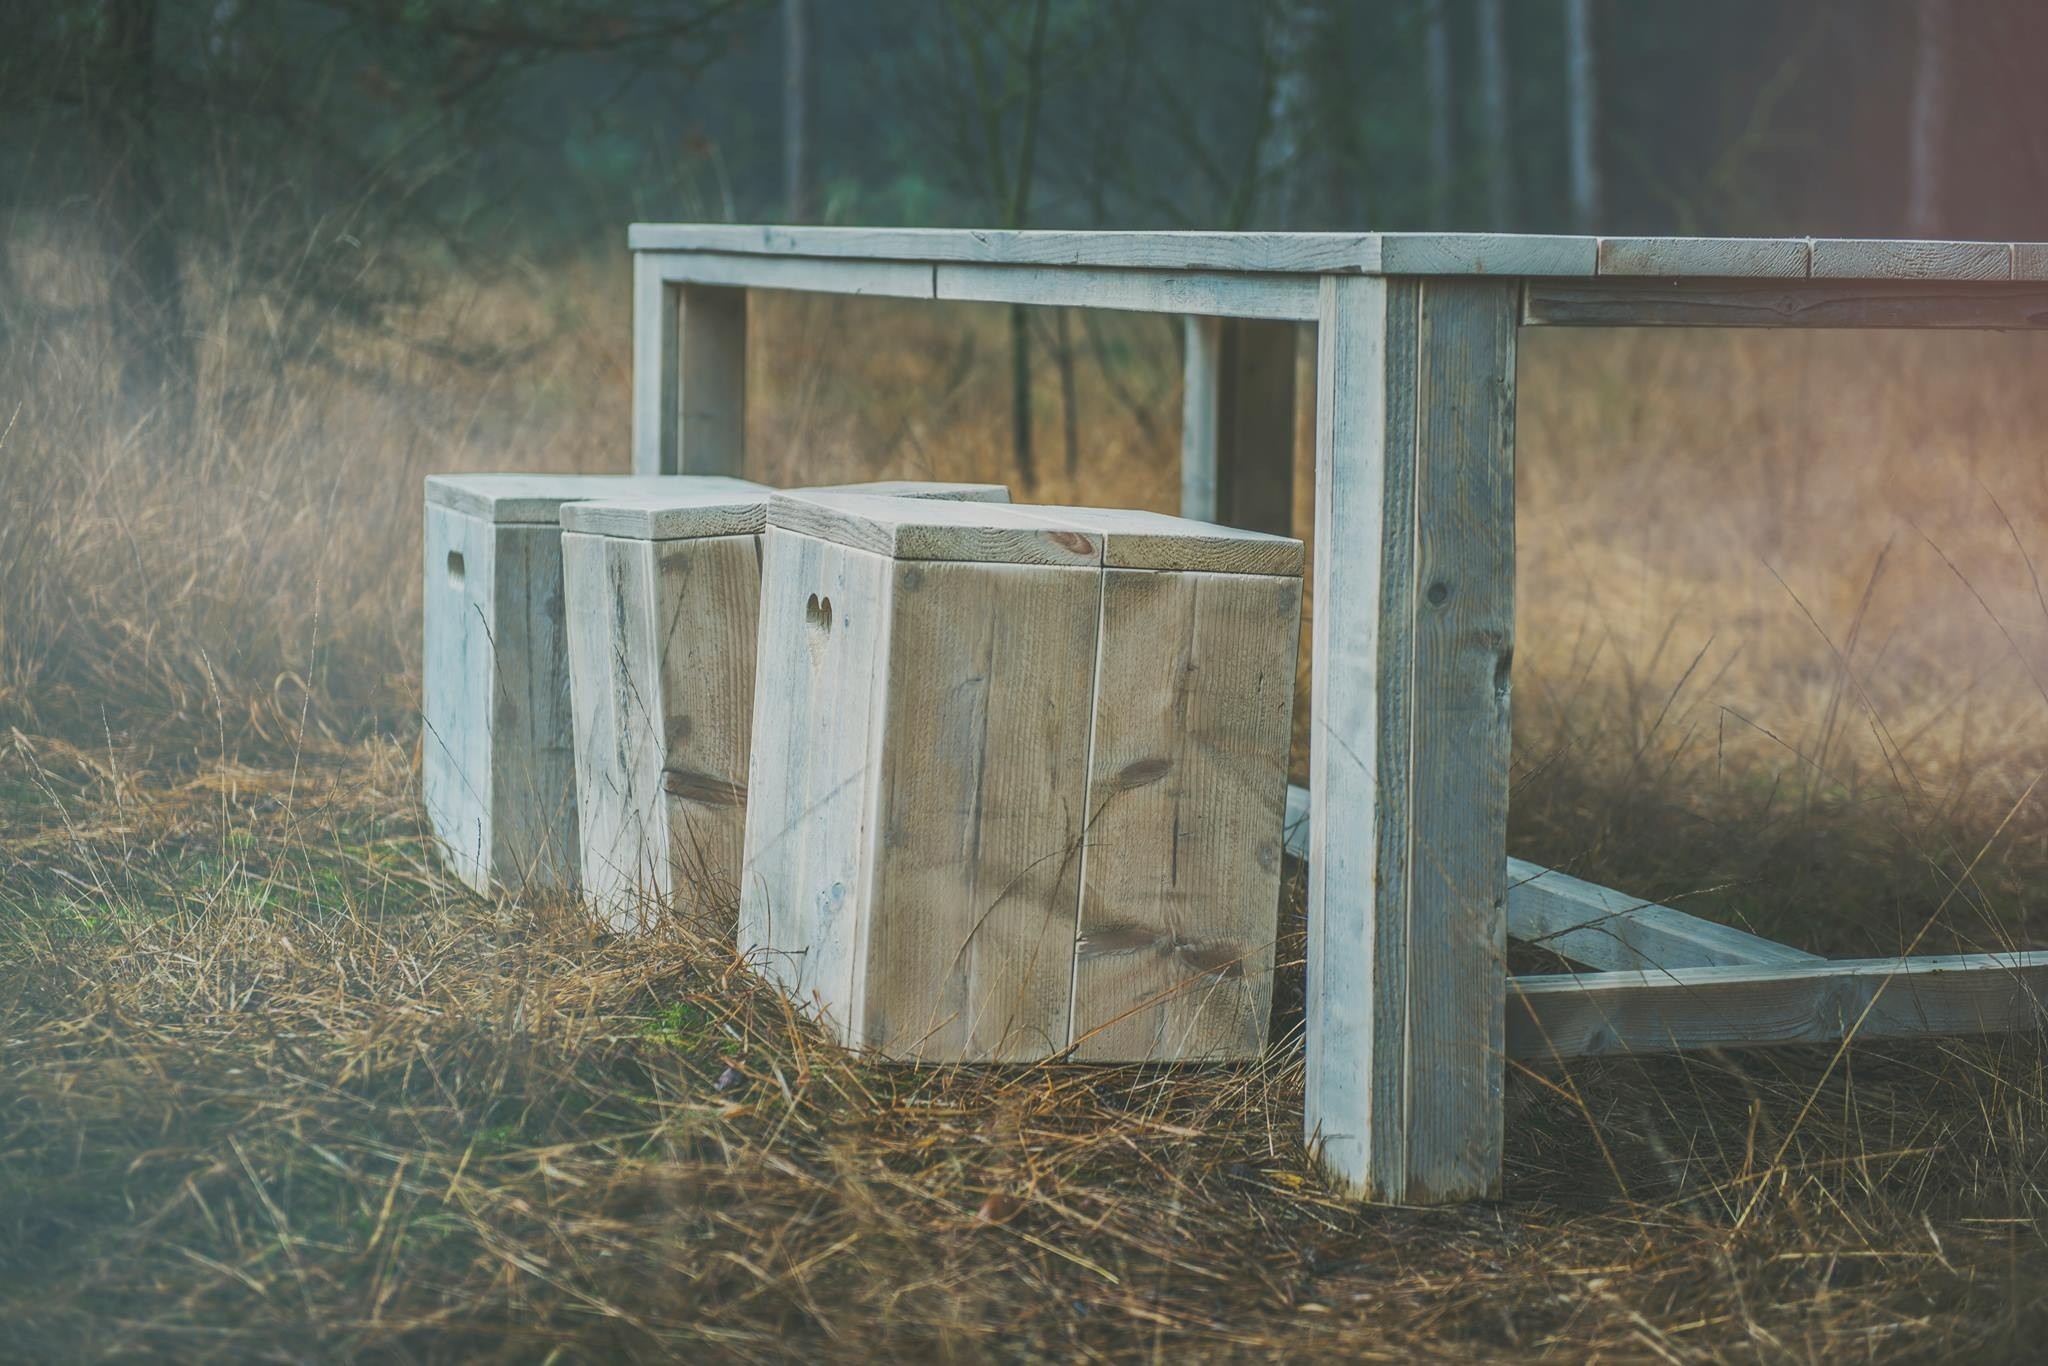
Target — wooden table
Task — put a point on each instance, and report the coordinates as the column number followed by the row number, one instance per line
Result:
column 1411, row 1013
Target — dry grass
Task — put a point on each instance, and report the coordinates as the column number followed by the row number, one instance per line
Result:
column 274, row 1088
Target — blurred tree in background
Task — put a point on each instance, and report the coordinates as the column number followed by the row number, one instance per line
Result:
column 317, row 155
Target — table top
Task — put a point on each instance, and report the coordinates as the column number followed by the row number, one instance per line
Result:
column 1375, row 253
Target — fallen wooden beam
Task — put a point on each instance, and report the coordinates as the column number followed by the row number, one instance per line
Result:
column 1607, row 1013
column 1596, row 925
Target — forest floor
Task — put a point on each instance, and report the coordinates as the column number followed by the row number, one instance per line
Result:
column 275, row 1087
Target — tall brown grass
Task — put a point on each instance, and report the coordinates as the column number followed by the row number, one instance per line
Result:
column 272, row 1086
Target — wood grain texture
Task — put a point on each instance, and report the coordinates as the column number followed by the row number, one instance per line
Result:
column 879, row 279
column 1754, row 1006
column 534, row 843
column 456, row 683
column 1187, row 786
column 1397, row 253
column 1764, row 303
column 1840, row 258
column 662, row 645
column 1606, row 929
column 1254, row 251
column 1595, row 925
column 1486, row 253
column 1239, row 295
column 715, row 506
column 1135, row 539
column 1408, row 759
column 2030, row 260
column 537, row 499
column 822, row 639
column 1222, row 254
column 1777, row 258
column 982, row 754
column 935, row 529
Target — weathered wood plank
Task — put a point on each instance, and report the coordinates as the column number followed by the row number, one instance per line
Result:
column 1842, row 258
column 981, row 763
column 1486, row 253
column 1408, row 759
column 538, row 499
column 1777, row 258
column 812, row 783
column 1286, row 252
column 1393, row 253
column 534, row 844
column 1595, row 925
column 1768, row 303
column 2030, row 260
column 1242, row 295
column 876, row 279
column 738, row 510
column 935, row 529
column 1753, row 1006
column 1194, row 691
column 657, row 323
column 1135, row 539
column 1603, row 928
column 456, row 685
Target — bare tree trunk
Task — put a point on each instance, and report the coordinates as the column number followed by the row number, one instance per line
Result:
column 1927, row 120
column 1294, row 158
column 1495, row 100
column 797, row 171
column 1583, row 95
column 145, row 298
column 1070, row 398
column 1436, row 42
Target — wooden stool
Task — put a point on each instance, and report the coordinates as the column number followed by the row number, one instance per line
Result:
column 662, row 593
column 1019, row 777
column 497, row 773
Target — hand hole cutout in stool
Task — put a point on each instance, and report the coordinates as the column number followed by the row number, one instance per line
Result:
column 818, row 612
column 455, row 570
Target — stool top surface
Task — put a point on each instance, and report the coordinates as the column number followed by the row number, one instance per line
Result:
column 536, row 499
column 691, row 514
column 1116, row 538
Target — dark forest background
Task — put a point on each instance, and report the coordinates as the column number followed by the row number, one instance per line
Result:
column 324, row 151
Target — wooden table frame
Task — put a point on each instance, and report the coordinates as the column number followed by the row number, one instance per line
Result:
column 1411, row 1013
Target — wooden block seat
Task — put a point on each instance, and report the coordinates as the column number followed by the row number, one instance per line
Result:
column 497, row 772
column 1018, row 777
column 662, row 591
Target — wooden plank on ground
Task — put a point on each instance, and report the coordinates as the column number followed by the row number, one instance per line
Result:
column 1616, row 302
column 1841, row 258
column 1603, row 928
column 1595, row 925
column 1413, row 630
column 1241, row 295
column 1187, row 779
column 1608, row 1013
column 1777, row 258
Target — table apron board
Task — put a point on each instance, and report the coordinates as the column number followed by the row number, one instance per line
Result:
column 1412, row 1017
